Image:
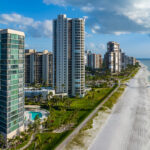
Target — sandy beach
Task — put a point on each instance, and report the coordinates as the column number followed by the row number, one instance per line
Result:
column 128, row 126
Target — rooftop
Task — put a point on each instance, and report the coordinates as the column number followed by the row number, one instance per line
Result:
column 12, row 31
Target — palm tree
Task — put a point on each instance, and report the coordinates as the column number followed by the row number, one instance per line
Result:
column 40, row 98
column 14, row 142
column 44, row 123
column 30, row 127
column 26, row 99
column 35, row 98
column 36, row 123
column 67, row 103
column 38, row 141
column 2, row 141
column 49, row 96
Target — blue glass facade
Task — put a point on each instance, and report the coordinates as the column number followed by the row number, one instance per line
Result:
column 11, row 81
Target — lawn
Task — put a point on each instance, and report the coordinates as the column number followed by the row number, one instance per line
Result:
column 74, row 112
column 22, row 144
column 48, row 140
column 113, row 99
column 78, row 110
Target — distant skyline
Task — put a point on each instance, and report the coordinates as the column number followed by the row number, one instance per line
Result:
column 126, row 22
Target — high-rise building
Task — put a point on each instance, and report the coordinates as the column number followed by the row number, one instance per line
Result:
column 94, row 61
column 86, row 57
column 38, row 67
column 113, row 57
column 11, row 82
column 68, row 51
column 132, row 61
column 123, row 59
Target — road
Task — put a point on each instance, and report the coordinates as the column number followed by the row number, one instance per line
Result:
column 128, row 127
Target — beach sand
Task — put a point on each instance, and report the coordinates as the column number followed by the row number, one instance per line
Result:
column 128, row 126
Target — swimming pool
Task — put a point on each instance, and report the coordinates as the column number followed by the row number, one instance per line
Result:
column 34, row 114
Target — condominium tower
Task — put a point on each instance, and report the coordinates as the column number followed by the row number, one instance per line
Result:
column 38, row 67
column 11, row 82
column 68, row 55
column 112, row 57
column 94, row 61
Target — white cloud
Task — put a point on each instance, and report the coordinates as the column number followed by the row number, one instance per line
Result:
column 91, row 45
column 95, row 47
column 120, row 33
column 56, row 2
column 87, row 8
column 113, row 16
column 28, row 25
column 15, row 18
column 95, row 28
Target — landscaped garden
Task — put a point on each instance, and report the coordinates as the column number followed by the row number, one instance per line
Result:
column 65, row 115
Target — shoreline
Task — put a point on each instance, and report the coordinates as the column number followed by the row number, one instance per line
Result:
column 122, row 130
column 84, row 139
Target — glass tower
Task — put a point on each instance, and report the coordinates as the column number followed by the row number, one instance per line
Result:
column 11, row 82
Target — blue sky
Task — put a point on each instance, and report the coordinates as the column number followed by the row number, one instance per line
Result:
column 125, row 22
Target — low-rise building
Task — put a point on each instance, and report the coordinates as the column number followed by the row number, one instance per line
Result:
column 43, row 92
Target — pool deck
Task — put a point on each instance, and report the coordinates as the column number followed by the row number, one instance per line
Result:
column 35, row 108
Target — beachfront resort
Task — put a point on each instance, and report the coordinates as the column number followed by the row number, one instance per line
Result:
column 53, row 110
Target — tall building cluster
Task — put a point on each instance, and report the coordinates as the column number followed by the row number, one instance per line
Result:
column 115, row 60
column 68, row 55
column 93, row 60
column 11, row 82
column 38, row 67
column 64, row 69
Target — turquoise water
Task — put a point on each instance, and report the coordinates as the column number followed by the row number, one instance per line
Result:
column 34, row 114
column 146, row 62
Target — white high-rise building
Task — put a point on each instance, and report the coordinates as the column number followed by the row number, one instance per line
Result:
column 68, row 55
column 94, row 61
column 113, row 57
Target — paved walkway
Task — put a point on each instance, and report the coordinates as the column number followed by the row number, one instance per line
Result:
column 71, row 136
column 30, row 141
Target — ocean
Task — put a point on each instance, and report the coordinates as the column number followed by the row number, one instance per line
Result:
column 146, row 62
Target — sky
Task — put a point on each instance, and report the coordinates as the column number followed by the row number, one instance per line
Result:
column 126, row 22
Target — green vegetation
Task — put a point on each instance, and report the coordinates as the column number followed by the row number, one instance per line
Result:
column 24, row 137
column 78, row 139
column 47, row 140
column 2, row 141
column 67, row 113
column 113, row 99
column 130, row 73
column 17, row 144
